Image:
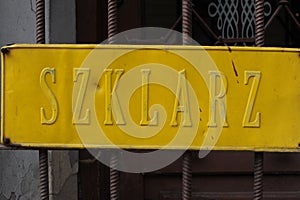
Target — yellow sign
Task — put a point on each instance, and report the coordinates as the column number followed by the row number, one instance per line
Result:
column 151, row 97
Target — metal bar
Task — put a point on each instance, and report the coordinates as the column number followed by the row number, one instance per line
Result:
column 112, row 20
column 277, row 11
column 114, row 179
column 172, row 28
column 43, row 153
column 187, row 22
column 259, row 156
column 292, row 16
column 259, row 23
column 186, row 176
column 40, row 21
column 4, row 147
column 112, row 31
column 44, row 179
column 200, row 19
column 283, row 4
column 287, row 29
column 176, row 23
column 258, row 175
column 234, row 40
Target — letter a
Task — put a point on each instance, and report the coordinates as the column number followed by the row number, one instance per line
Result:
column 182, row 98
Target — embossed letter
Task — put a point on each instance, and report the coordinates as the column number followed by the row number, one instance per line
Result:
column 111, row 98
column 251, row 100
column 217, row 98
column 182, row 98
column 145, row 98
column 82, row 85
column 49, row 94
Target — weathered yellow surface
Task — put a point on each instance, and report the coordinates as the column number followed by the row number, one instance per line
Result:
column 151, row 97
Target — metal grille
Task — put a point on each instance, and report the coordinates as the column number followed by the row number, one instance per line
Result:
column 238, row 22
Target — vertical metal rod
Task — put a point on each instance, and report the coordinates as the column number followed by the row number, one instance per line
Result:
column 259, row 23
column 40, row 21
column 114, row 179
column 259, row 156
column 44, row 180
column 186, row 176
column 112, row 20
column 187, row 12
column 258, row 175
column 112, row 31
column 43, row 153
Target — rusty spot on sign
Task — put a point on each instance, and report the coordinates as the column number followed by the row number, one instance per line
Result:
column 234, row 69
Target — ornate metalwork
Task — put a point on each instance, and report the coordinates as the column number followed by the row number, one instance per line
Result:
column 236, row 18
column 247, row 18
column 228, row 17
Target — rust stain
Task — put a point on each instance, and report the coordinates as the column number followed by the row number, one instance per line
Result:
column 234, row 69
column 229, row 49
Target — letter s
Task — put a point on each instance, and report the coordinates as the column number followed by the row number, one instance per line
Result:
column 49, row 94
